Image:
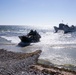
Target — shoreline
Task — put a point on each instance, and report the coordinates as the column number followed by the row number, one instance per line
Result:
column 17, row 63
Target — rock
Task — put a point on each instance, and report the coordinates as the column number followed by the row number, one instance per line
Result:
column 11, row 63
column 26, row 64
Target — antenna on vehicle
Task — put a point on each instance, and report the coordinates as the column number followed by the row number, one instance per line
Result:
column 66, row 23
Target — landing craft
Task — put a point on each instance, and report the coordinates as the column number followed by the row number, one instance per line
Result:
column 65, row 28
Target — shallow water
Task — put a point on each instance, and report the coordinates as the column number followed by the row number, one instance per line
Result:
column 57, row 48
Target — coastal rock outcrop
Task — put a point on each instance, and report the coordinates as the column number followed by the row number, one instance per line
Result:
column 12, row 63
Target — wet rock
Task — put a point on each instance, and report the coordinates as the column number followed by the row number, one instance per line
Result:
column 26, row 64
column 12, row 63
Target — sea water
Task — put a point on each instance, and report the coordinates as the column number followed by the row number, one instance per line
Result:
column 57, row 48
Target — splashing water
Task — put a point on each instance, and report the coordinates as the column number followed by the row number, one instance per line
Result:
column 57, row 48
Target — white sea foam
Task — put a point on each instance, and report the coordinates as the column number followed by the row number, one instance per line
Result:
column 13, row 39
column 58, row 48
column 52, row 38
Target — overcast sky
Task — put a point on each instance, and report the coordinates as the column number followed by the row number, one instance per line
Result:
column 37, row 12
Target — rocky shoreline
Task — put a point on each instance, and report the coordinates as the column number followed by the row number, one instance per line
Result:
column 12, row 63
